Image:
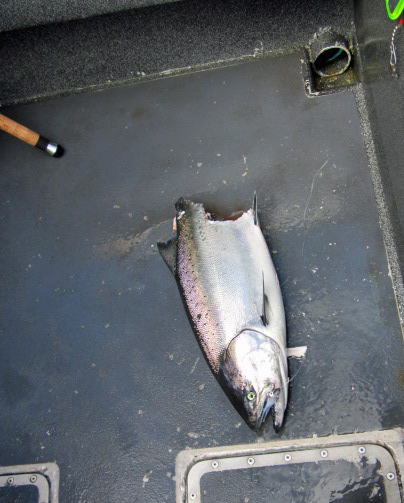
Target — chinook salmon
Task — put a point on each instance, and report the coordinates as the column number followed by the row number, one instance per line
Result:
column 231, row 292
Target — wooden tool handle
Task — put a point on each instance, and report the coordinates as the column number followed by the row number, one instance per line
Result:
column 18, row 130
column 35, row 139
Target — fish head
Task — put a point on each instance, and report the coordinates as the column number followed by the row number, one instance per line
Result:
column 255, row 377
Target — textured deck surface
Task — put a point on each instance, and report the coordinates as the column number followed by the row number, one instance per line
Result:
column 101, row 371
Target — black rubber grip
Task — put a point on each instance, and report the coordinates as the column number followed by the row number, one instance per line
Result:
column 42, row 143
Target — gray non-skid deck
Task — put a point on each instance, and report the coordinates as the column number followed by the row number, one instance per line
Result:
column 100, row 369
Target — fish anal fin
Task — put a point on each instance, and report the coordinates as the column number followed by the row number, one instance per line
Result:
column 169, row 253
column 298, row 352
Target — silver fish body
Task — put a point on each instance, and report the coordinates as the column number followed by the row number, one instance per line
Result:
column 232, row 295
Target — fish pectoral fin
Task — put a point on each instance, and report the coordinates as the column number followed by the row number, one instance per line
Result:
column 298, row 352
column 265, row 304
column 255, row 209
column 169, row 253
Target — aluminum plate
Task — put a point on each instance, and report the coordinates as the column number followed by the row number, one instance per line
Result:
column 383, row 449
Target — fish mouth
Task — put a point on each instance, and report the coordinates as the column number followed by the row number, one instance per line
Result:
column 267, row 404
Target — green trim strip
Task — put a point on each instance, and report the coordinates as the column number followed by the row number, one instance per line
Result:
column 397, row 11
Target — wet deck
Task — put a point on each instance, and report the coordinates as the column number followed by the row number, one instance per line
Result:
column 101, row 372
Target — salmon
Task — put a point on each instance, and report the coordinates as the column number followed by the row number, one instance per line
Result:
column 233, row 299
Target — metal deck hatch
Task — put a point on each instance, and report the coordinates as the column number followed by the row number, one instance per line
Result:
column 356, row 467
column 38, row 483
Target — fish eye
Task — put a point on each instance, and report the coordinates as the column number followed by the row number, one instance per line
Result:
column 250, row 396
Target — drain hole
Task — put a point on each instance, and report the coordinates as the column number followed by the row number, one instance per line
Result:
column 333, row 60
column 329, row 63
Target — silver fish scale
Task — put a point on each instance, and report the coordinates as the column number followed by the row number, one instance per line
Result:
column 220, row 265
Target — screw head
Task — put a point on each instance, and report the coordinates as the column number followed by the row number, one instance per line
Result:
column 324, row 454
column 361, row 450
column 215, row 464
column 250, row 461
column 33, row 478
column 288, row 457
column 192, row 496
column 10, row 480
column 390, row 476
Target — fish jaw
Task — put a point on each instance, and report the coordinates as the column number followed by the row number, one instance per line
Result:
column 255, row 379
column 270, row 403
column 267, row 404
column 278, row 414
